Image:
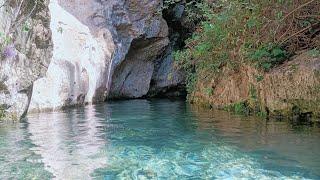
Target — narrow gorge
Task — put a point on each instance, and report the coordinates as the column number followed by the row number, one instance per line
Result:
column 71, row 53
column 159, row 89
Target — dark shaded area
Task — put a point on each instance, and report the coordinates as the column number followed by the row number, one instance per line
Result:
column 180, row 28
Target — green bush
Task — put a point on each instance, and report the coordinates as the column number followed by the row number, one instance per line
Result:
column 240, row 108
column 266, row 57
column 253, row 32
column 314, row 52
column 2, row 113
column 195, row 10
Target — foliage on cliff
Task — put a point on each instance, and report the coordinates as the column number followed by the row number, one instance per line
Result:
column 263, row 34
column 20, row 12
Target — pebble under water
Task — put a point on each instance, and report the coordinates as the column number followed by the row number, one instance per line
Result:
column 156, row 139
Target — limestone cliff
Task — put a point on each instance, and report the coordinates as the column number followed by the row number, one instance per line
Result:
column 98, row 50
column 102, row 49
column 83, row 48
column 26, row 50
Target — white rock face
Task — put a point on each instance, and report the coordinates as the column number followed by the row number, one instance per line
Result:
column 91, row 40
column 78, row 72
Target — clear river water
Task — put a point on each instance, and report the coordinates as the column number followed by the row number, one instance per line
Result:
column 156, row 139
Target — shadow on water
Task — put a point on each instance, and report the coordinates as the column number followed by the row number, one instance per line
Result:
column 156, row 139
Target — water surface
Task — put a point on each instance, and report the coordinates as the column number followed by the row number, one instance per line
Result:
column 158, row 139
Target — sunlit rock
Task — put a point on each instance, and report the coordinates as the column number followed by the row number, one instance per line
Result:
column 78, row 72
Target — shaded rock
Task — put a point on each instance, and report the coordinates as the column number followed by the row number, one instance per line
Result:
column 166, row 79
column 132, row 78
column 147, row 34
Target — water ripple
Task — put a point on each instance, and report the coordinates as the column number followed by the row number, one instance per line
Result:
column 156, row 139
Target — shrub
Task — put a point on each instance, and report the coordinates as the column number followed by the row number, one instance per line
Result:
column 267, row 57
column 2, row 113
column 195, row 10
column 254, row 32
column 240, row 108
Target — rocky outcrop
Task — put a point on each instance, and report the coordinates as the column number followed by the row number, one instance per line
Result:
column 146, row 69
column 147, row 34
column 78, row 72
column 102, row 49
column 167, row 80
column 131, row 79
column 98, row 50
column 26, row 48
column 293, row 87
column 290, row 89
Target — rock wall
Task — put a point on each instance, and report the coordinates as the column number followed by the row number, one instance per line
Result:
column 288, row 90
column 102, row 49
column 147, row 34
column 167, row 80
column 83, row 48
column 28, row 55
column 86, row 51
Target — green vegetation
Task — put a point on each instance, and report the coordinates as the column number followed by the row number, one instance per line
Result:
column 259, row 78
column 248, row 107
column 314, row 52
column 4, row 40
column 245, row 108
column 2, row 113
column 231, row 33
column 266, row 57
column 196, row 10
column 60, row 30
column 209, row 91
column 238, row 108
column 20, row 12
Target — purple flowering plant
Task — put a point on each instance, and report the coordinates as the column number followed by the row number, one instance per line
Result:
column 9, row 51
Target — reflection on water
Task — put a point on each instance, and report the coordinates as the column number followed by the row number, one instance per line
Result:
column 276, row 143
column 157, row 139
column 70, row 144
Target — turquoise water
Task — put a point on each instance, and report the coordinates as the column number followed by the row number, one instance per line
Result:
column 158, row 139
